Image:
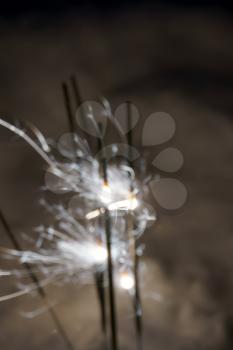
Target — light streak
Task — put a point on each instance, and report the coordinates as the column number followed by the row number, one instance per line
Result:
column 74, row 249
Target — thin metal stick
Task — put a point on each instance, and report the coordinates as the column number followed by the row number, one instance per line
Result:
column 130, row 132
column 78, row 105
column 113, row 318
column 137, row 299
column 67, row 102
column 104, row 160
column 99, row 280
column 98, row 276
column 77, row 95
column 137, row 303
column 40, row 289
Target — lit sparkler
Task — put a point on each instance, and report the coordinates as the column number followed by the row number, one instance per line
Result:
column 81, row 245
column 68, row 251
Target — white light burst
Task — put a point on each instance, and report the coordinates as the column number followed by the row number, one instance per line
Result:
column 75, row 249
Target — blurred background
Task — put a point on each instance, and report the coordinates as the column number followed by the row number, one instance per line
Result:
column 170, row 56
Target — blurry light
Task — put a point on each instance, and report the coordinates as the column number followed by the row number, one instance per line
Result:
column 127, row 204
column 126, row 281
column 100, row 253
column 105, row 194
column 93, row 214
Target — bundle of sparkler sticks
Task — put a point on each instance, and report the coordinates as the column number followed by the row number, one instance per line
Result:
column 95, row 235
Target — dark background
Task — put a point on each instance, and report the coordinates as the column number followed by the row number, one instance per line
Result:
column 12, row 8
column 172, row 56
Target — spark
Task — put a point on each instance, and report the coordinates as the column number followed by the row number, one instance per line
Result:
column 83, row 178
column 67, row 252
column 75, row 248
column 126, row 204
column 126, row 281
column 93, row 214
column 5, row 273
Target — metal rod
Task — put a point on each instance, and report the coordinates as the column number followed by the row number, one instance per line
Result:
column 99, row 277
column 138, row 304
column 40, row 289
column 113, row 318
column 137, row 299
column 130, row 132
column 77, row 95
column 67, row 102
column 99, row 280
column 104, row 160
column 79, row 105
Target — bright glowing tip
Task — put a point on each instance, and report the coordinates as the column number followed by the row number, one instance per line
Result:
column 133, row 203
column 106, row 195
column 126, row 204
column 100, row 253
column 106, row 186
column 93, row 214
column 126, row 281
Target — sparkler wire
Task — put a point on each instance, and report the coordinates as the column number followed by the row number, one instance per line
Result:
column 33, row 144
column 113, row 318
column 111, row 282
column 69, row 173
column 38, row 285
column 98, row 275
column 100, row 278
column 77, row 95
column 137, row 300
column 67, row 101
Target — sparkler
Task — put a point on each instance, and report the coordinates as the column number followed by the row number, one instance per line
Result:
column 38, row 285
column 98, row 231
column 137, row 300
column 98, row 275
column 108, row 233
